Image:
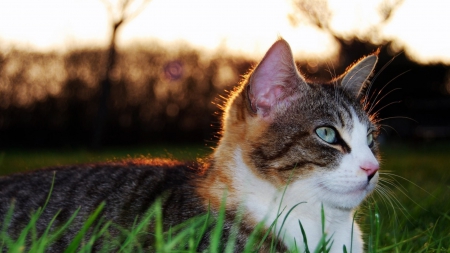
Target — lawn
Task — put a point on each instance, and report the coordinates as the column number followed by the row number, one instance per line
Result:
column 410, row 212
column 27, row 160
column 418, row 210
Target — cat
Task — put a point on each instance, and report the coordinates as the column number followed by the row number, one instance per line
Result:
column 285, row 142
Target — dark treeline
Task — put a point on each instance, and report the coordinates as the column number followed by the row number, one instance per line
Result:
column 172, row 94
column 158, row 94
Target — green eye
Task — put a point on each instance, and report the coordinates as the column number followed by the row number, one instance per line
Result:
column 327, row 134
column 370, row 140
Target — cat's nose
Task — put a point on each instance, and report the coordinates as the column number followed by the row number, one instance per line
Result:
column 370, row 168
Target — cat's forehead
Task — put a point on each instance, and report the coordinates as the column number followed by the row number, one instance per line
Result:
column 327, row 104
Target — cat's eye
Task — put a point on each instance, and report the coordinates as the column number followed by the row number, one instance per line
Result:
column 327, row 134
column 370, row 140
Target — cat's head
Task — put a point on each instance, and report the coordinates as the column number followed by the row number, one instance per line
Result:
column 290, row 130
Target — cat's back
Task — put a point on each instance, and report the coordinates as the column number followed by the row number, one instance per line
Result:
column 127, row 188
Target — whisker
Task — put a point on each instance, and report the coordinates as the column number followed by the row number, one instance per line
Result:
column 381, row 99
column 390, row 206
column 387, row 192
column 396, row 117
column 391, row 103
column 384, row 125
column 379, row 72
column 386, row 198
column 383, row 198
column 404, row 191
column 333, row 78
column 332, row 73
column 375, row 99
column 386, row 131
column 407, row 180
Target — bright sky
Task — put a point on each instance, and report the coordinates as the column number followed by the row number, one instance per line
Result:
column 251, row 26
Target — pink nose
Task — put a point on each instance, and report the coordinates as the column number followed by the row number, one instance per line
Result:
column 370, row 169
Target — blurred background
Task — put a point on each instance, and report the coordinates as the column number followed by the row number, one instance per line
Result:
column 100, row 73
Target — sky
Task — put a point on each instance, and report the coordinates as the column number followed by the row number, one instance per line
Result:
column 417, row 27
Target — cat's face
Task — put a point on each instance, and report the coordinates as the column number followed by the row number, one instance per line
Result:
column 294, row 132
column 327, row 139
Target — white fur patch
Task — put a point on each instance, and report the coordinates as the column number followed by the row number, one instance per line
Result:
column 348, row 185
column 339, row 191
column 262, row 200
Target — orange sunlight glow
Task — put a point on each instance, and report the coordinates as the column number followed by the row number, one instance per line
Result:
column 422, row 29
column 246, row 27
column 52, row 24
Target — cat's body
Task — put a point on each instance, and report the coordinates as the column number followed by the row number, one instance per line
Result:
column 129, row 189
column 284, row 142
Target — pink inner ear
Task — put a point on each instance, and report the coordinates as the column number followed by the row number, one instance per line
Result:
column 270, row 79
column 267, row 99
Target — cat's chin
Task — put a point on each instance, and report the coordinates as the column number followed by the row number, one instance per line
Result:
column 348, row 198
column 348, row 202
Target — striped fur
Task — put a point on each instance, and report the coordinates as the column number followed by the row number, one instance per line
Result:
column 269, row 158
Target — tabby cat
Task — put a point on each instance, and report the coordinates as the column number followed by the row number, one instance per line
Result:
column 284, row 141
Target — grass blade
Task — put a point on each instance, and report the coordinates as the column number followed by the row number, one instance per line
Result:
column 74, row 245
column 305, row 240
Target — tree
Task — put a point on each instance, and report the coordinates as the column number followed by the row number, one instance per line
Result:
column 120, row 12
column 317, row 13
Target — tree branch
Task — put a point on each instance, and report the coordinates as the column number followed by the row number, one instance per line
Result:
column 136, row 12
column 121, row 13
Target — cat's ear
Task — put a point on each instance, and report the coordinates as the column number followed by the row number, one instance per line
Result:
column 354, row 79
column 274, row 80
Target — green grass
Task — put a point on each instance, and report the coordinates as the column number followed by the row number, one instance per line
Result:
column 172, row 241
column 415, row 217
column 27, row 160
